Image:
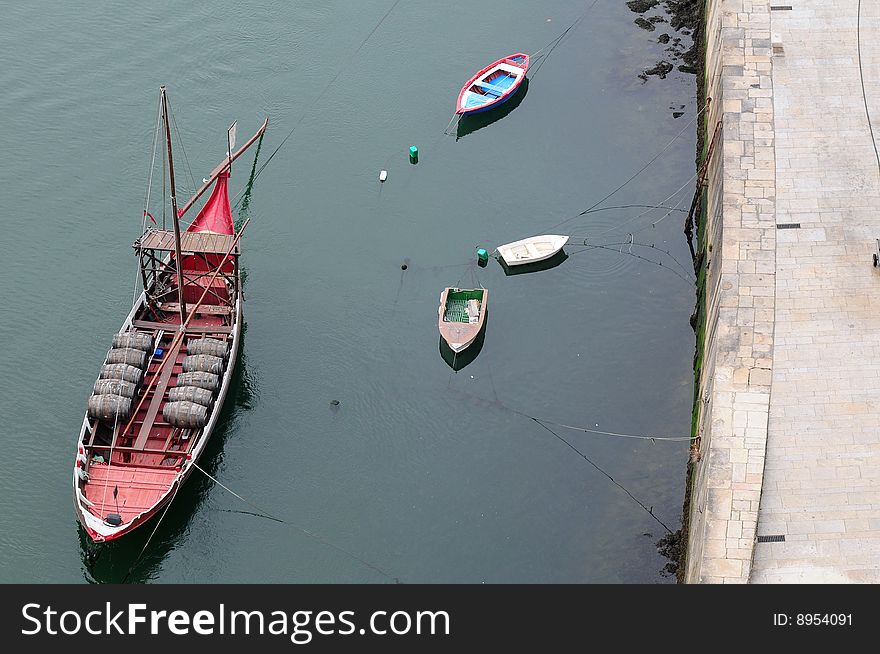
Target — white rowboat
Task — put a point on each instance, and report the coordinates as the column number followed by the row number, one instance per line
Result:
column 531, row 250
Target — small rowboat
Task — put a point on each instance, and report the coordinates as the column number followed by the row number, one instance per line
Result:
column 462, row 314
column 532, row 250
column 493, row 85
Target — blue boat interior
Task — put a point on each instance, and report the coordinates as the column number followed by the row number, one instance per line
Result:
column 491, row 89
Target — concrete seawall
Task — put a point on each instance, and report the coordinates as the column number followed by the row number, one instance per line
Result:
column 789, row 393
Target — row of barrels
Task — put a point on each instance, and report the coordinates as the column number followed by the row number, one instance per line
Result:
column 113, row 394
column 188, row 402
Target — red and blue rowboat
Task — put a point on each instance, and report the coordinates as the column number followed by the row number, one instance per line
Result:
column 493, row 85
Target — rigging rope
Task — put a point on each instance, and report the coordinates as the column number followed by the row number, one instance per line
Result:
column 134, row 295
column 152, row 166
column 183, row 149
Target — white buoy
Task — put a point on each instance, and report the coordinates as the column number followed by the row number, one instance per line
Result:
column 383, row 175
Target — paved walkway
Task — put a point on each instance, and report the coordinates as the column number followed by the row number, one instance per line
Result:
column 821, row 485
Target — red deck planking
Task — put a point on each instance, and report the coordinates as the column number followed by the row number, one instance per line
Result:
column 138, row 489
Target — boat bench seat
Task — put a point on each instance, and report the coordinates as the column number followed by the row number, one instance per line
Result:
column 492, row 88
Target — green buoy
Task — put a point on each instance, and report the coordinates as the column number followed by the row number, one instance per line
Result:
column 413, row 154
column 482, row 256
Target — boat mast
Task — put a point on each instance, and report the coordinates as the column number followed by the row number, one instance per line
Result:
column 175, row 218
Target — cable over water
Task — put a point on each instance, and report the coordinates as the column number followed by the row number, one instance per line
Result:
column 633, row 176
column 265, row 514
column 687, row 276
column 152, row 533
column 326, row 88
column 555, row 42
column 535, row 56
column 504, row 407
column 649, row 511
column 544, row 423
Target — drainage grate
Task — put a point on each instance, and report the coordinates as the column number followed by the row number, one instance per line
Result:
column 780, row 7
column 775, row 538
column 788, row 226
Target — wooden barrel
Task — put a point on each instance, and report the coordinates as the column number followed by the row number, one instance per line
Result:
column 201, row 379
column 212, row 346
column 185, row 414
column 190, row 394
column 121, row 371
column 203, row 363
column 109, row 408
column 137, row 340
column 114, row 387
column 129, row 355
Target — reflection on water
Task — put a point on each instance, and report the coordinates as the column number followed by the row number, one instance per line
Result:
column 245, row 201
column 118, row 561
column 538, row 266
column 471, row 123
column 462, row 359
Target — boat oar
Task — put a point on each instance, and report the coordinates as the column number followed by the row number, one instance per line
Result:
column 182, row 330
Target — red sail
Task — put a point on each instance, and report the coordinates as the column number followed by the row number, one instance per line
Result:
column 215, row 216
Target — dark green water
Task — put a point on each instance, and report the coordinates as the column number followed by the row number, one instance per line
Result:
column 420, row 471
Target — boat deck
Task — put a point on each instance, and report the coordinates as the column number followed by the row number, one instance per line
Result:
column 138, row 489
column 204, row 242
column 145, row 458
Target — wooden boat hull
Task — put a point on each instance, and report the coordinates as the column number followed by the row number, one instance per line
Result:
column 532, row 249
column 100, row 531
column 162, row 388
column 493, row 85
column 461, row 335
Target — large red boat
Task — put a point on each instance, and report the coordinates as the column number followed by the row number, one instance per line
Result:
column 164, row 380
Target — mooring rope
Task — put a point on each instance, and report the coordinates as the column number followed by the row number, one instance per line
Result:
column 153, row 533
column 647, row 211
column 610, row 247
column 326, row 88
column 635, row 206
column 634, row 175
column 555, row 42
column 589, row 430
column 677, row 207
column 544, row 423
column 649, row 511
column 265, row 514
column 535, row 56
